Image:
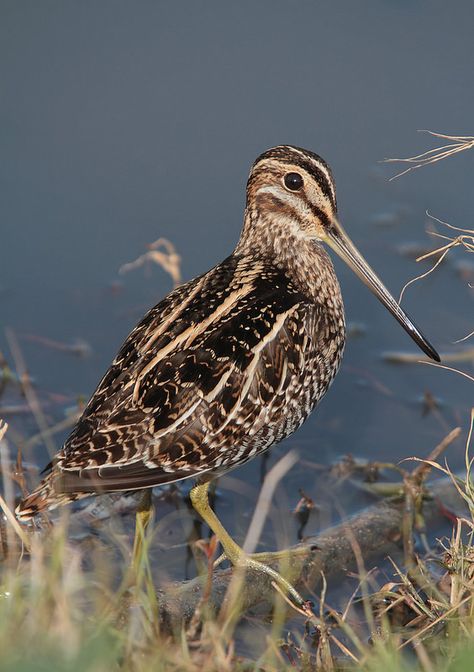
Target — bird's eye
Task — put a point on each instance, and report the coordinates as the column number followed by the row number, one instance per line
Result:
column 293, row 181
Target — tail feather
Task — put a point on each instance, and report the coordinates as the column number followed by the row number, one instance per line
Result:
column 44, row 498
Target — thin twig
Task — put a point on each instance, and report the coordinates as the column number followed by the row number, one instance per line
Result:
column 448, row 368
column 426, row 273
column 30, row 394
column 14, row 523
column 458, row 143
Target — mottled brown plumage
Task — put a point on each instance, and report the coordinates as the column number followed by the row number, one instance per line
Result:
column 227, row 364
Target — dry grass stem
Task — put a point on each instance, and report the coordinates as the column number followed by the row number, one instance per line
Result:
column 273, row 477
column 29, row 391
column 423, row 275
column 465, row 338
column 422, row 471
column 14, row 523
column 163, row 253
column 448, row 368
column 465, row 239
column 458, row 143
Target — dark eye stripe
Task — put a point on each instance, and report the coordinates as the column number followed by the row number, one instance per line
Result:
column 321, row 215
column 317, row 175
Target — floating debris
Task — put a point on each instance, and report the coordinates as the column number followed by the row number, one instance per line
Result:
column 388, row 218
column 115, row 287
column 465, row 269
column 385, row 219
column 77, row 347
column 356, row 329
column 349, row 466
column 14, row 409
column 414, row 249
column 302, row 512
column 7, row 375
column 429, row 403
column 412, row 357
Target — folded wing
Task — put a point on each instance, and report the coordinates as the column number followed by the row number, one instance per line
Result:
column 192, row 386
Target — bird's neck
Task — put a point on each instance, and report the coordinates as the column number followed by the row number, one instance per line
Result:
column 279, row 241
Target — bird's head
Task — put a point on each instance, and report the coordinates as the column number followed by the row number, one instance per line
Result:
column 293, row 190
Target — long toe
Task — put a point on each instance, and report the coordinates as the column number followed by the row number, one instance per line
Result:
column 285, row 586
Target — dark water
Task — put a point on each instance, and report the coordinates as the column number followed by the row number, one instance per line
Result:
column 123, row 122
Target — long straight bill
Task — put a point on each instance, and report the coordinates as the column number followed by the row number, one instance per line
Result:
column 340, row 242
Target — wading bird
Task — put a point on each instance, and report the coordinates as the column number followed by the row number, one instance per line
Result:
column 229, row 363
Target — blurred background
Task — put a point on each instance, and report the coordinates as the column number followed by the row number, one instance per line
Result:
column 122, row 122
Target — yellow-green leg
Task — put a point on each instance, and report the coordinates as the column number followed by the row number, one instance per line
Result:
column 142, row 520
column 233, row 552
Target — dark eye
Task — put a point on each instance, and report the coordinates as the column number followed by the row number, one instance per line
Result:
column 293, row 181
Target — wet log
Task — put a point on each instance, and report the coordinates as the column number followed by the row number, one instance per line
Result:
column 374, row 532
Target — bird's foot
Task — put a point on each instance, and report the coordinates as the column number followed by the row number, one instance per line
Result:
column 239, row 558
column 257, row 562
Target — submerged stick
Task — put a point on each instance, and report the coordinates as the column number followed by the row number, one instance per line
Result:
column 375, row 530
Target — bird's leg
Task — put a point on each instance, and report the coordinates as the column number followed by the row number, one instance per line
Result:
column 233, row 552
column 142, row 520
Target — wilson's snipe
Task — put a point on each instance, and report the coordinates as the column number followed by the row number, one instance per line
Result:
column 229, row 363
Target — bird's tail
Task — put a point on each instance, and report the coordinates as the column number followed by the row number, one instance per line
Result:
column 45, row 497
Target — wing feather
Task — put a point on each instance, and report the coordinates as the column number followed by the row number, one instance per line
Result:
column 187, row 386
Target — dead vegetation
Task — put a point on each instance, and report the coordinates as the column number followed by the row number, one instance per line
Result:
column 163, row 253
column 55, row 592
column 457, row 143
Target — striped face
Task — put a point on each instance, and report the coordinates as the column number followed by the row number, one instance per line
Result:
column 291, row 192
column 295, row 184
